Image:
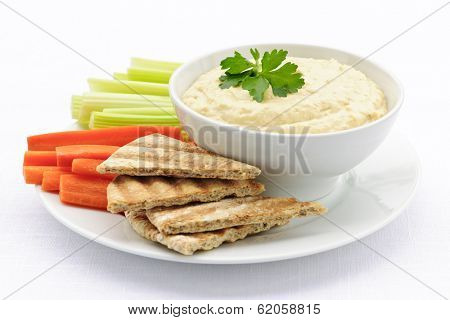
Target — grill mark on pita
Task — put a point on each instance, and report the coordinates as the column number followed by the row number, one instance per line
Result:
column 175, row 187
column 202, row 217
column 138, row 193
column 170, row 157
column 160, row 141
column 187, row 244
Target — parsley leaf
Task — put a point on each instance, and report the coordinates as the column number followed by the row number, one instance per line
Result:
column 285, row 79
column 272, row 60
column 236, row 64
column 256, row 86
column 258, row 76
column 232, row 80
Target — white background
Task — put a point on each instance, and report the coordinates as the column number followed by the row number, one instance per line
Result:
column 38, row 75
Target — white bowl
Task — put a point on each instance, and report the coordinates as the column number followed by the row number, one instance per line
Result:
column 311, row 162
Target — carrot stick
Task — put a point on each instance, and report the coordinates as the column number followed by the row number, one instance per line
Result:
column 50, row 180
column 83, row 199
column 88, row 167
column 66, row 154
column 34, row 174
column 118, row 136
column 83, row 191
column 39, row 158
column 83, row 184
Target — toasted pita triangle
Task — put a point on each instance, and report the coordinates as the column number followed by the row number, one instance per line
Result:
column 141, row 193
column 230, row 212
column 158, row 155
column 187, row 244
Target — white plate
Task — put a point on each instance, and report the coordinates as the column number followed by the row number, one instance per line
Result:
column 366, row 199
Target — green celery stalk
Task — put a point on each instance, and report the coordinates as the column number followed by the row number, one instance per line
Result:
column 143, row 111
column 120, row 76
column 149, row 75
column 97, row 101
column 76, row 106
column 153, row 64
column 106, row 120
column 102, row 96
column 126, row 86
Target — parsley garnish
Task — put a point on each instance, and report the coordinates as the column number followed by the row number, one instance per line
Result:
column 256, row 77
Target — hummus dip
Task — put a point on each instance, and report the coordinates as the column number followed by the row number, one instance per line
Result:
column 321, row 105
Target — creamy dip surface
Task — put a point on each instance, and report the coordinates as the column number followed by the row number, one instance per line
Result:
column 321, row 105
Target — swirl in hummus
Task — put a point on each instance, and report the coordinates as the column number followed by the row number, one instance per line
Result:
column 321, row 105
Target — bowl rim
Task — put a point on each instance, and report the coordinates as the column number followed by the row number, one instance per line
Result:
column 178, row 103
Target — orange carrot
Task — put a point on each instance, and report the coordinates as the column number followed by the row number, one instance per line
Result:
column 118, row 136
column 88, row 167
column 83, row 199
column 83, row 190
column 39, row 158
column 83, row 184
column 34, row 174
column 66, row 154
column 50, row 180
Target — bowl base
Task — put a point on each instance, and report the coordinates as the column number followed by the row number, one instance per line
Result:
column 304, row 188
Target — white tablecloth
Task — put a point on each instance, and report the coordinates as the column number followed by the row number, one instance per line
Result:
column 38, row 75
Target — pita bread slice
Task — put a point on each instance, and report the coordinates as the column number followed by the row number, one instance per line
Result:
column 228, row 213
column 187, row 244
column 140, row 193
column 158, row 155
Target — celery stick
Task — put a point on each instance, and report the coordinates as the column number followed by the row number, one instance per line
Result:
column 120, row 76
column 149, row 75
column 105, row 120
column 101, row 126
column 153, row 64
column 86, row 109
column 124, row 96
column 97, row 101
column 103, row 117
column 126, row 86
column 76, row 106
column 143, row 111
